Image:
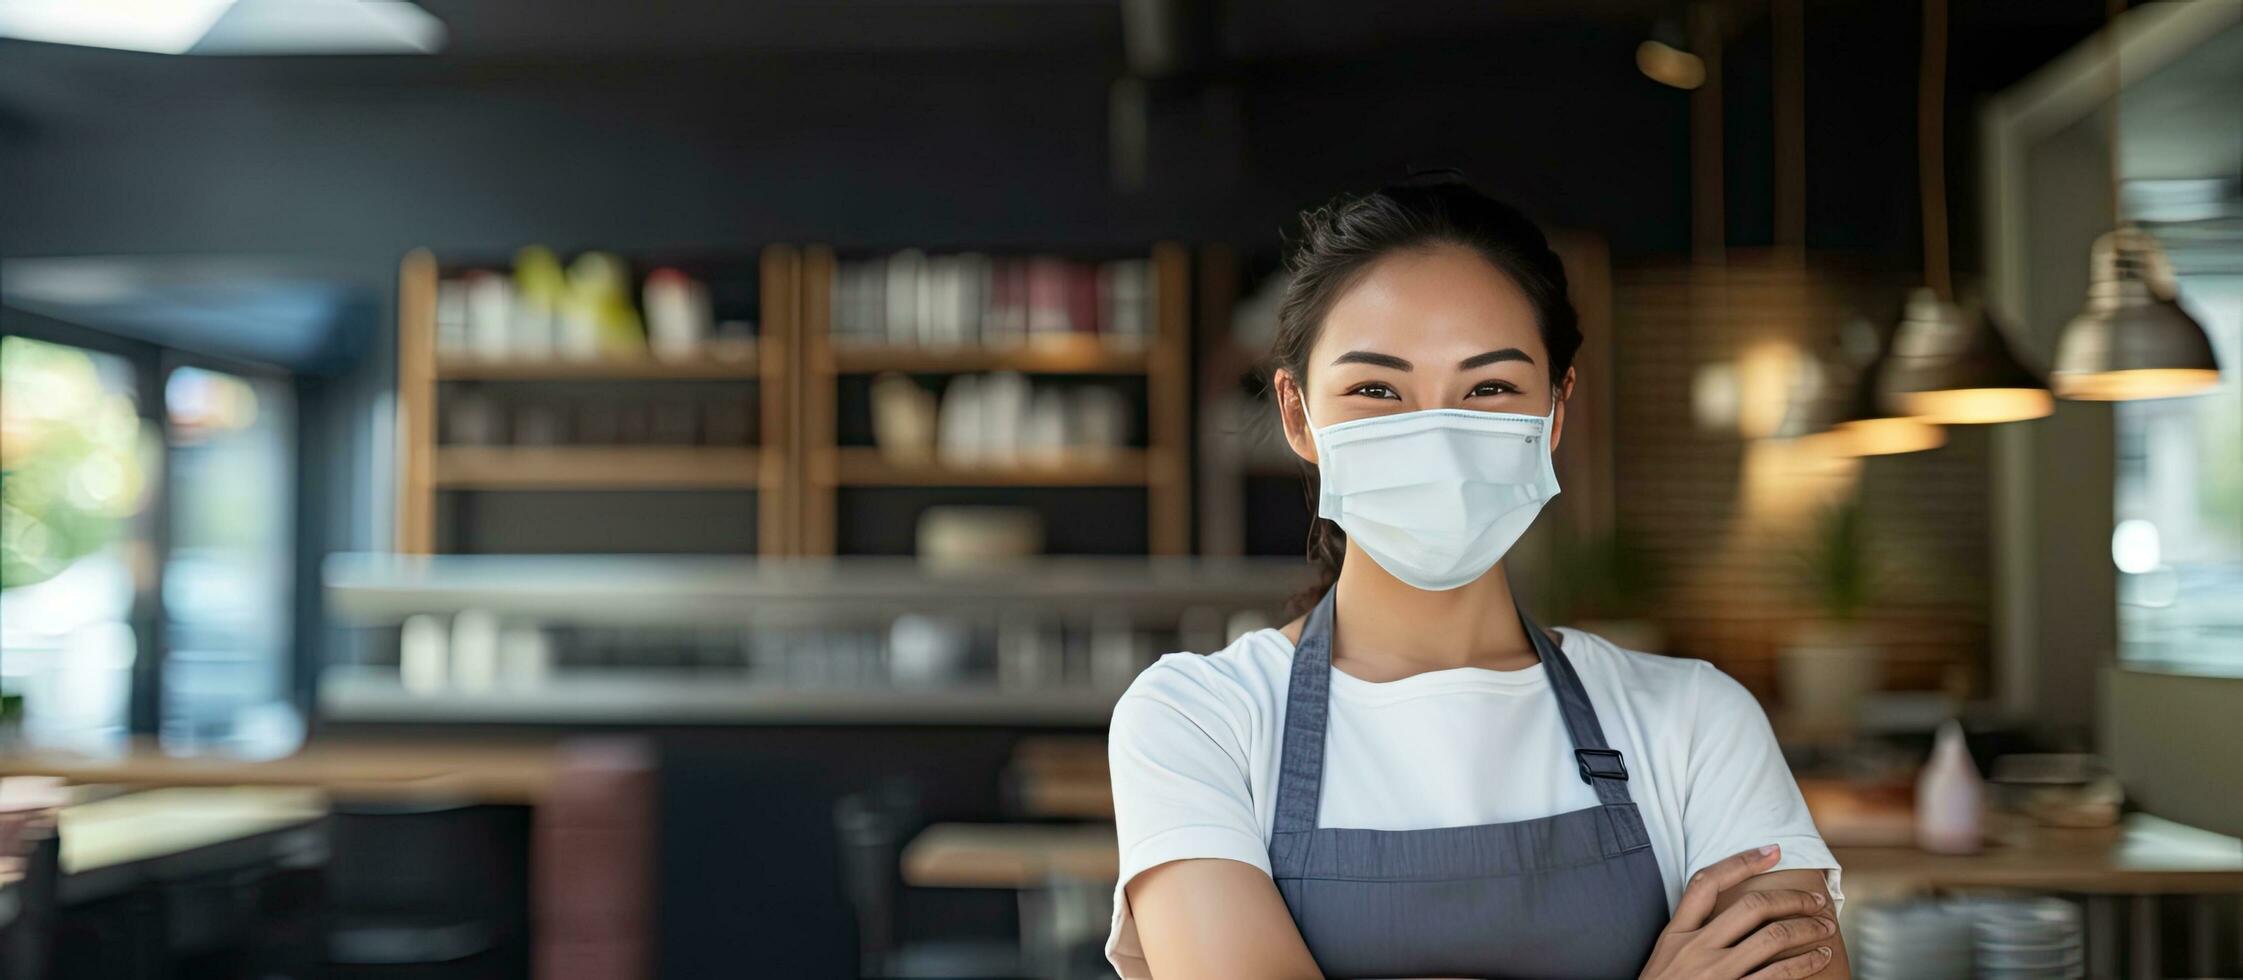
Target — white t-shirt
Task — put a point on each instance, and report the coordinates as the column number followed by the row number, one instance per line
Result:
column 1195, row 743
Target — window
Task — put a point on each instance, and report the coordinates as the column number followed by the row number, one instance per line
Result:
column 2178, row 543
column 147, row 539
column 229, row 574
column 75, row 489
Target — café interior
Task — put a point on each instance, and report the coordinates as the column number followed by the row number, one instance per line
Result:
column 581, row 489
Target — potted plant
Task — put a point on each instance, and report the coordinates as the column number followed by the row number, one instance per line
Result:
column 1607, row 584
column 1834, row 660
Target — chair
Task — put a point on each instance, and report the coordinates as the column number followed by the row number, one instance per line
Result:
column 428, row 892
column 27, row 907
column 873, row 827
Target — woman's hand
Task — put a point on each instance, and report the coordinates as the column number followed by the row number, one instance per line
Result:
column 1744, row 941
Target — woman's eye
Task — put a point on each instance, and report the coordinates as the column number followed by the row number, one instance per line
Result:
column 1374, row 390
column 1491, row 388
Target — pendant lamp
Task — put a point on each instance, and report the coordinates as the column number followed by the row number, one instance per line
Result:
column 2132, row 340
column 1665, row 57
column 1858, row 418
column 1868, row 426
column 1952, row 369
column 1946, row 367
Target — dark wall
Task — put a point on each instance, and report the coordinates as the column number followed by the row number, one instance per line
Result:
column 107, row 152
column 375, row 157
column 131, row 153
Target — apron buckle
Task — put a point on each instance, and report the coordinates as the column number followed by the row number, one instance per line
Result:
column 1601, row 764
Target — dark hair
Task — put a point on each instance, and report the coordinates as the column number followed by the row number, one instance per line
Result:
column 1339, row 242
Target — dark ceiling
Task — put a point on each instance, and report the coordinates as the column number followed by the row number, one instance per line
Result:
column 534, row 28
column 700, row 120
column 1248, row 29
column 714, row 124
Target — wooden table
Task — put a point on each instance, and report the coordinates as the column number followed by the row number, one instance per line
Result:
column 397, row 770
column 149, row 824
column 1062, row 874
column 2130, row 865
column 999, row 855
column 2134, row 863
column 2143, row 855
column 1062, row 776
column 283, row 789
column 110, row 845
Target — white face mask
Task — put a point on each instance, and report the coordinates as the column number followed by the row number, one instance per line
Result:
column 1437, row 496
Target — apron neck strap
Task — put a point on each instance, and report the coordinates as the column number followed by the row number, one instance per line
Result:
column 1308, row 703
column 1308, row 700
column 1600, row 764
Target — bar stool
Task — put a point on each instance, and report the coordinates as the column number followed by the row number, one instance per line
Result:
column 428, row 892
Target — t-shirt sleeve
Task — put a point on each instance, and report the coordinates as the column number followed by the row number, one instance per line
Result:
column 1740, row 794
column 1181, row 791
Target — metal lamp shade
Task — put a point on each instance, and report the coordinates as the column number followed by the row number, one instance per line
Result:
column 1860, row 422
column 1951, row 369
column 1666, row 57
column 2132, row 341
column 1871, row 430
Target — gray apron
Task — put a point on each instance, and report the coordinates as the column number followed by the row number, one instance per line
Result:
column 1572, row 895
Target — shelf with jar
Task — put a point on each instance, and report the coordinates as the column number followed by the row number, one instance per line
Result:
column 640, row 639
column 1020, row 372
column 647, row 373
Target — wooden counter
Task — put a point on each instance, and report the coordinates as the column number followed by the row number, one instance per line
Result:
column 996, row 855
column 2144, row 855
column 158, row 823
column 112, row 843
column 398, row 770
column 654, row 696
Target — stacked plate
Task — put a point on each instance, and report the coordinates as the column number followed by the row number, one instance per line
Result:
column 1910, row 941
column 2037, row 938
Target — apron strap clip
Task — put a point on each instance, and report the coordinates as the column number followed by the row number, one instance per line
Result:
column 1601, row 764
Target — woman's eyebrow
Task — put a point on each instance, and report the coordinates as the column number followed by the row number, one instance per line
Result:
column 1493, row 356
column 1372, row 357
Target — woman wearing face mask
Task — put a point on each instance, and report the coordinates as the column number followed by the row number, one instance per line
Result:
column 1414, row 780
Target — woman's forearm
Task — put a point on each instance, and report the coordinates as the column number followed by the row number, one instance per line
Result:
column 1216, row 918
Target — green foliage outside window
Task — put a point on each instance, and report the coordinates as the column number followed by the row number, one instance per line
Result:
column 71, row 468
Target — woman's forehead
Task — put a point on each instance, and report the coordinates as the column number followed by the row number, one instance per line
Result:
column 1434, row 302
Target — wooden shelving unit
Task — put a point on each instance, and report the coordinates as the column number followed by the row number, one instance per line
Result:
column 597, row 468
column 864, row 466
column 1161, row 466
column 742, row 368
column 771, row 469
column 797, row 468
column 1068, row 355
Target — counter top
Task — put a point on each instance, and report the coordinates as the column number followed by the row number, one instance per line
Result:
column 2143, row 855
column 657, row 697
column 156, row 823
column 358, row 769
column 370, row 589
column 993, row 855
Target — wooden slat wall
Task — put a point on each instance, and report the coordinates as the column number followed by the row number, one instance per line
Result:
column 1727, row 519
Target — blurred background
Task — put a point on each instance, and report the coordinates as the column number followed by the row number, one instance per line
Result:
column 606, row 490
